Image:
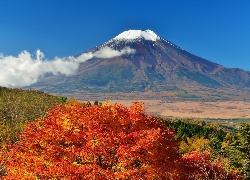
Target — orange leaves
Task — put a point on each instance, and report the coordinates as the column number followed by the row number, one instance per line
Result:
column 93, row 142
column 137, row 108
column 99, row 142
column 104, row 142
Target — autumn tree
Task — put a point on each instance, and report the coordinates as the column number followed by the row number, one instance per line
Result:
column 200, row 164
column 95, row 142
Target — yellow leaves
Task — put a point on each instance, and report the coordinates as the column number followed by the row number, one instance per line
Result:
column 76, row 163
column 150, row 152
column 42, row 144
column 13, row 171
column 66, row 124
column 228, row 135
column 184, row 147
column 72, row 101
column 88, row 159
column 106, row 103
column 76, row 130
column 95, row 143
column 192, row 144
column 224, row 144
column 48, row 163
column 67, row 142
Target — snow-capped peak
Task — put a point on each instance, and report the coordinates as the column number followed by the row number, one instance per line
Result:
column 137, row 34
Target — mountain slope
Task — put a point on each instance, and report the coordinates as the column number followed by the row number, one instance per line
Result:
column 156, row 64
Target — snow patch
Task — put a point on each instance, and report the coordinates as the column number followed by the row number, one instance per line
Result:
column 137, row 34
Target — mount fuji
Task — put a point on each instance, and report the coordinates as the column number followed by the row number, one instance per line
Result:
column 145, row 62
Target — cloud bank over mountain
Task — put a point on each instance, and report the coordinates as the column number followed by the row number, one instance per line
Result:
column 26, row 69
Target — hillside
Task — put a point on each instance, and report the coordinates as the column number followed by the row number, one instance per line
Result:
column 17, row 107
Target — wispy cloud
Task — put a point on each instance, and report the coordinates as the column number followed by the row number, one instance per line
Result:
column 25, row 69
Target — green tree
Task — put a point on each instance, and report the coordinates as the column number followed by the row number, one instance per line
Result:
column 96, row 103
column 244, row 138
column 236, row 149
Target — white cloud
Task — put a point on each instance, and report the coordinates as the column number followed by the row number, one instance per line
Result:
column 105, row 52
column 25, row 70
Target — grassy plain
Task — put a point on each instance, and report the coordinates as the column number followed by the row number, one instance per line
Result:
column 228, row 107
column 226, row 113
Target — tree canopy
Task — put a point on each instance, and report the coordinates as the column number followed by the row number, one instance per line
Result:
column 76, row 140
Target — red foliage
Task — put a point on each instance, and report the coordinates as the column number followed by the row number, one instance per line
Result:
column 201, row 166
column 95, row 142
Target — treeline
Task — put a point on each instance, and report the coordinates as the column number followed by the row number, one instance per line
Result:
column 231, row 148
column 17, row 107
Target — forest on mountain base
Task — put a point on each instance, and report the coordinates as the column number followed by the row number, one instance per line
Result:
column 48, row 137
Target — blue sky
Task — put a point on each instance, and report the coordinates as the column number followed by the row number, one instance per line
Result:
column 217, row 30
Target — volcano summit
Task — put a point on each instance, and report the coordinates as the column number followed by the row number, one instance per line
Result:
column 147, row 63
